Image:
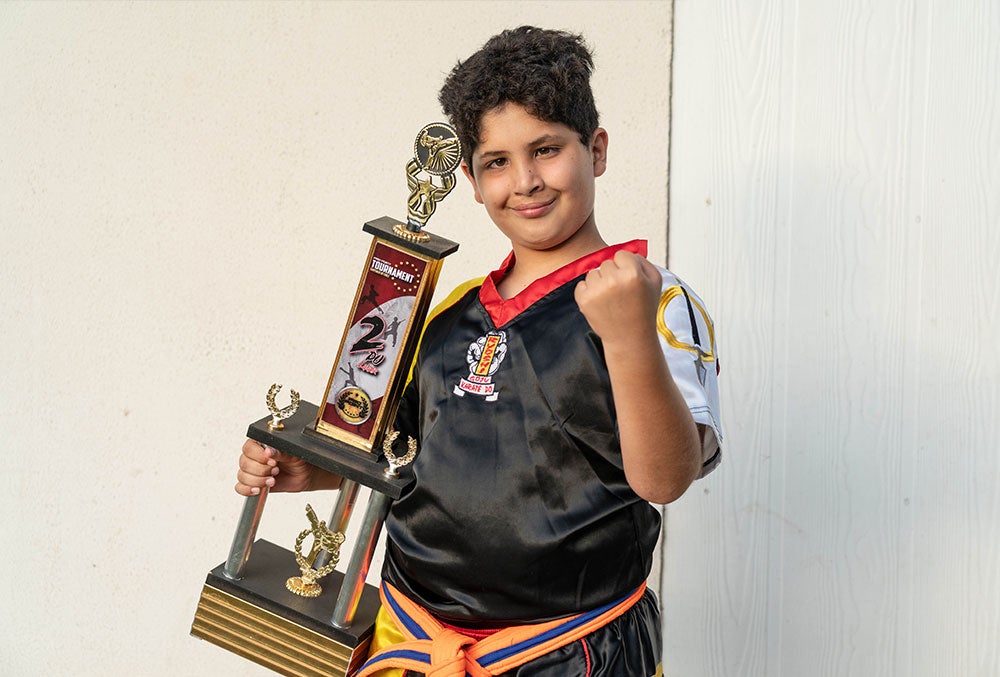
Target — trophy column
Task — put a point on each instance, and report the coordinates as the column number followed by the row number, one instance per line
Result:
column 320, row 623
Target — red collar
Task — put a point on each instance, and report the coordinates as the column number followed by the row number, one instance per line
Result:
column 503, row 311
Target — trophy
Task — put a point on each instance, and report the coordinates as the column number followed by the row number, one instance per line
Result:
column 300, row 624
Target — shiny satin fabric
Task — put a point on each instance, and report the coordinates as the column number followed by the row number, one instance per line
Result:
column 520, row 510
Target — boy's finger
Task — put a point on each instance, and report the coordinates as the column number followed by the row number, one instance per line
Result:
column 246, row 490
column 252, row 467
column 255, row 450
column 649, row 270
column 250, row 480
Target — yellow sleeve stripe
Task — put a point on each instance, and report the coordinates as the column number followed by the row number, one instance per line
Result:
column 661, row 325
column 450, row 300
column 453, row 297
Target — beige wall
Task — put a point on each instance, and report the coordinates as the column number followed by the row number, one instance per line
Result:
column 182, row 188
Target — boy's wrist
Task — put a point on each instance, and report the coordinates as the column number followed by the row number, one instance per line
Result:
column 634, row 344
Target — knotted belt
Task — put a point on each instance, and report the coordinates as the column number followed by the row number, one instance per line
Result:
column 440, row 651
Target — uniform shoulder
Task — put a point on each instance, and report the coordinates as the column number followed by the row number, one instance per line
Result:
column 454, row 297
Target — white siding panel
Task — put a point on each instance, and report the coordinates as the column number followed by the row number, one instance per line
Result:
column 956, row 540
column 835, row 196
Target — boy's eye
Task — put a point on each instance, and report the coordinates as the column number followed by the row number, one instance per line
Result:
column 497, row 163
column 546, row 150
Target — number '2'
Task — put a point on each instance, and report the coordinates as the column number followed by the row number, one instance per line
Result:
column 368, row 342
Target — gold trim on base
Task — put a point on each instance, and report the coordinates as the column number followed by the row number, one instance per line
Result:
column 270, row 640
column 300, row 586
column 407, row 234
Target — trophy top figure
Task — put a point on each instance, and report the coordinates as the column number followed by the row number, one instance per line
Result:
column 437, row 152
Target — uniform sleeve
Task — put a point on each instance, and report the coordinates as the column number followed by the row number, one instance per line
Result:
column 687, row 338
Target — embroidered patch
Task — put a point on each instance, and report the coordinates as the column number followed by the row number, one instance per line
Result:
column 484, row 357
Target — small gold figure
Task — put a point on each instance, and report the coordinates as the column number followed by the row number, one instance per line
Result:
column 397, row 462
column 424, row 194
column 278, row 415
column 443, row 153
column 323, row 539
column 438, row 152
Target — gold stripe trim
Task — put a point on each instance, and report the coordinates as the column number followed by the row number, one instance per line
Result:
column 451, row 299
column 661, row 325
column 268, row 639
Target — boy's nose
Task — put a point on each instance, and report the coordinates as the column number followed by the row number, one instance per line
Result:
column 528, row 180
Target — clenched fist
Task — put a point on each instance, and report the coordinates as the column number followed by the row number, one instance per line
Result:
column 619, row 298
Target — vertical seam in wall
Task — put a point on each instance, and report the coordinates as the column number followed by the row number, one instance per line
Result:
column 670, row 128
column 666, row 259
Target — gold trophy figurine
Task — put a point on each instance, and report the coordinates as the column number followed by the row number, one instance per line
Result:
column 323, row 540
column 438, row 156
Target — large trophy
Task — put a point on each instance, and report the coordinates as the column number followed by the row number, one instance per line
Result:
column 290, row 610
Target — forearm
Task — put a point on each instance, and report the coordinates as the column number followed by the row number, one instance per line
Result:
column 324, row 479
column 661, row 449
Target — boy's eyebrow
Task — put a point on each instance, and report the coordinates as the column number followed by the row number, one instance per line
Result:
column 541, row 140
column 490, row 153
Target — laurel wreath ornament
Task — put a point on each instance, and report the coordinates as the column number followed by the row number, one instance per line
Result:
column 397, row 462
column 278, row 415
column 323, row 539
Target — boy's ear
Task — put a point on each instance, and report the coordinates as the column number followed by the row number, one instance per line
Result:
column 599, row 150
column 472, row 179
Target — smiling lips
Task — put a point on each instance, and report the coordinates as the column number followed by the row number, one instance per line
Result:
column 534, row 209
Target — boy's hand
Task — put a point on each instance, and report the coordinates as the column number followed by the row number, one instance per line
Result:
column 619, row 298
column 262, row 466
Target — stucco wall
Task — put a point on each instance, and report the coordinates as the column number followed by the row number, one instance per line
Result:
column 182, row 189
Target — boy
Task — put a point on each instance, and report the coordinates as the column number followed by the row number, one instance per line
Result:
column 524, row 542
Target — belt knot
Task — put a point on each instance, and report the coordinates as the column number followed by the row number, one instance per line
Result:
column 448, row 656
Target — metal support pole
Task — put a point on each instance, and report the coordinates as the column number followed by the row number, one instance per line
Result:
column 246, row 529
column 340, row 516
column 361, row 559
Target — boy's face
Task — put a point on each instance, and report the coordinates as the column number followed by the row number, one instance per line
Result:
column 535, row 178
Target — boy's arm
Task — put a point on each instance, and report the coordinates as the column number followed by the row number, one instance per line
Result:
column 661, row 444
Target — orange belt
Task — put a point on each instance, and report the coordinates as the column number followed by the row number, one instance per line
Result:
column 439, row 651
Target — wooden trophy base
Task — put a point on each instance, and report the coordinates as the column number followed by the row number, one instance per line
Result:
column 259, row 619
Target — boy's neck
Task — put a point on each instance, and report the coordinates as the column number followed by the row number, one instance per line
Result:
column 532, row 264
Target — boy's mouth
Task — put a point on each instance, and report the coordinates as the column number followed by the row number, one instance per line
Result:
column 534, row 209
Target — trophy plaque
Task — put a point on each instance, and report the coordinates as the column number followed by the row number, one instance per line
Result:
column 267, row 603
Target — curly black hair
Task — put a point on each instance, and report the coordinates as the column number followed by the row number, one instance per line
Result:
column 546, row 71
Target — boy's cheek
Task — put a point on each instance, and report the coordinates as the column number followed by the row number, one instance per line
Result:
column 472, row 180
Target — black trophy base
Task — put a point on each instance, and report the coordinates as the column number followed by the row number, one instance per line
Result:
column 257, row 618
column 300, row 439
